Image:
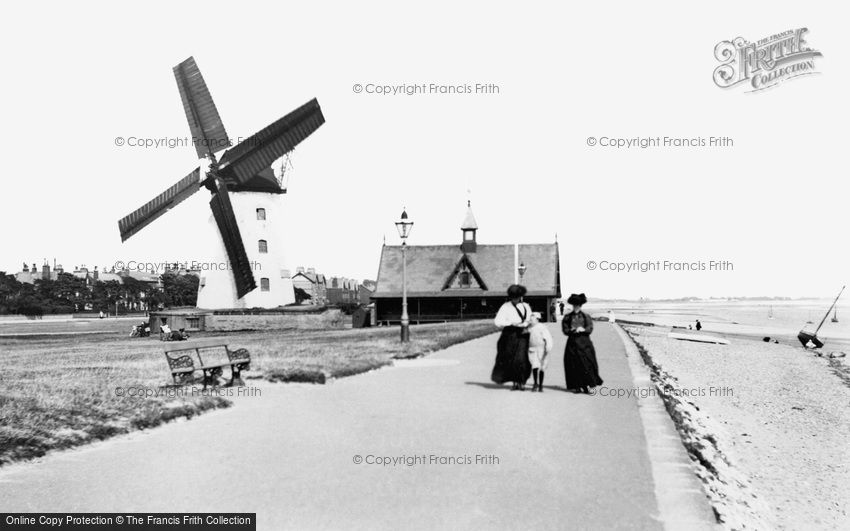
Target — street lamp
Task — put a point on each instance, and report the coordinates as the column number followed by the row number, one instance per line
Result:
column 404, row 226
column 521, row 270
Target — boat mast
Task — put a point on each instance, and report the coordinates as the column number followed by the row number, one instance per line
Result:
column 830, row 309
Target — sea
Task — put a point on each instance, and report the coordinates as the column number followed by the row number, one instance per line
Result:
column 776, row 319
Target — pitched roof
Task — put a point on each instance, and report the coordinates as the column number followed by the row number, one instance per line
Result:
column 429, row 268
column 464, row 264
column 312, row 277
column 142, row 276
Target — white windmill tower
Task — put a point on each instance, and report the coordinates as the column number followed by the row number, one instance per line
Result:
column 247, row 199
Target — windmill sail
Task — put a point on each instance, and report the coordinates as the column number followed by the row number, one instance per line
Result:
column 259, row 151
column 142, row 217
column 222, row 211
column 245, row 168
column 205, row 124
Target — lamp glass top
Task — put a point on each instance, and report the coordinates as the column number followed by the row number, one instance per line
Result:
column 404, row 225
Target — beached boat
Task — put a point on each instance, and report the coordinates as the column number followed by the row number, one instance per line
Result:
column 805, row 337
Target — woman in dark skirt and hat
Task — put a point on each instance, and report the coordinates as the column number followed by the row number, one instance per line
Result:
column 580, row 366
column 512, row 363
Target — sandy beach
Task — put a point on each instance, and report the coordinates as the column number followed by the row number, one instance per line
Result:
column 768, row 424
column 780, row 319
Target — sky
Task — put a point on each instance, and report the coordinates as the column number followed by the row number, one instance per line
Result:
column 773, row 205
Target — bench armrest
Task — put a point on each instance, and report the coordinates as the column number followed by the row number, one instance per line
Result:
column 240, row 355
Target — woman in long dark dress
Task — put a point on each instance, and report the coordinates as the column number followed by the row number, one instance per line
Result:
column 512, row 363
column 580, row 368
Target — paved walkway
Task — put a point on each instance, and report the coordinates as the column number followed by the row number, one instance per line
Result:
column 558, row 461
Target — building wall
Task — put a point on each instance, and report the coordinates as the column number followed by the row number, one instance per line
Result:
column 365, row 295
column 344, row 294
column 281, row 321
column 192, row 322
column 432, row 309
column 218, row 290
column 211, row 322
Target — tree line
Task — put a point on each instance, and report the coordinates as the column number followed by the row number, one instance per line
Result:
column 69, row 294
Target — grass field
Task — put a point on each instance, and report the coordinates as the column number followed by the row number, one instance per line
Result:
column 48, row 326
column 59, row 391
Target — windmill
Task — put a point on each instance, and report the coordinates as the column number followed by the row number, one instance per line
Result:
column 243, row 172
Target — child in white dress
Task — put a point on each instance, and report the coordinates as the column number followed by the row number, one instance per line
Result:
column 539, row 346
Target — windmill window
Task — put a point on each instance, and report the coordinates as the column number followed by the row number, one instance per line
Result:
column 464, row 279
column 264, row 284
column 264, row 246
column 261, row 213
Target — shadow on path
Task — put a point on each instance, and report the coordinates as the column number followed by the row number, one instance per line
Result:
column 488, row 385
column 506, row 387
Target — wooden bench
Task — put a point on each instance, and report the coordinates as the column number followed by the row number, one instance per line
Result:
column 182, row 364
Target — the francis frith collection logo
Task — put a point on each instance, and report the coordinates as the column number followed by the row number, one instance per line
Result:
column 765, row 63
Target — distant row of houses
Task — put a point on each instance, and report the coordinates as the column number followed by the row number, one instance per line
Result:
column 320, row 289
column 132, row 298
column 331, row 291
column 29, row 275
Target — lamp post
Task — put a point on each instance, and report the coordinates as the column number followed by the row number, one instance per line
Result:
column 521, row 269
column 404, row 226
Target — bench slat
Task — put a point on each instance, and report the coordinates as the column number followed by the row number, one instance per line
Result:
column 218, row 366
column 183, row 346
column 195, row 343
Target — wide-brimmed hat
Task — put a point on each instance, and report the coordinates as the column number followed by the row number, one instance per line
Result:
column 516, row 290
column 577, row 299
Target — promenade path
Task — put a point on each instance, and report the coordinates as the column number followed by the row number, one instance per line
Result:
column 551, row 460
